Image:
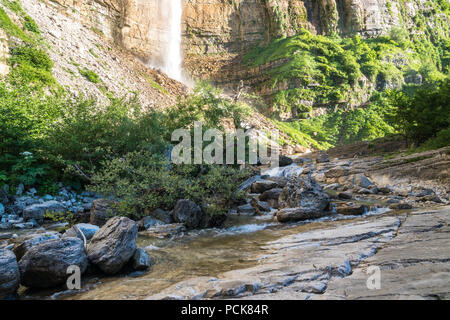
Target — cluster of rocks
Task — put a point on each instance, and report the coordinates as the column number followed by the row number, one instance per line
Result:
column 42, row 260
column 27, row 210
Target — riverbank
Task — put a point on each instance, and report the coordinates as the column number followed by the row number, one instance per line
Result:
column 373, row 219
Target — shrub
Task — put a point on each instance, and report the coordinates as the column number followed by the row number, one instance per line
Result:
column 87, row 133
column 30, row 66
column 144, row 181
column 422, row 115
column 90, row 75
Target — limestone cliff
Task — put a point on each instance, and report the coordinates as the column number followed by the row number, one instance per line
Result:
column 217, row 26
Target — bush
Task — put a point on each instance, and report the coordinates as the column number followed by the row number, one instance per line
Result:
column 86, row 133
column 422, row 115
column 144, row 181
column 207, row 105
column 31, row 66
column 90, row 75
column 25, row 117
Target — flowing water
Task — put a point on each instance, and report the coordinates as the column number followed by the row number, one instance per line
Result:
column 199, row 253
column 165, row 32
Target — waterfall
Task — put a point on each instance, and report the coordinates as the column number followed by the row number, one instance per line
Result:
column 165, row 31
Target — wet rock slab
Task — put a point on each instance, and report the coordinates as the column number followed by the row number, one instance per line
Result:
column 303, row 263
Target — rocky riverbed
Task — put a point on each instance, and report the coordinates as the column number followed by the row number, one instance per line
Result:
column 310, row 229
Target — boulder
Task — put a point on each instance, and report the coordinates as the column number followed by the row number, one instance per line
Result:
column 101, row 211
column 46, row 264
column 345, row 195
column 362, row 181
column 188, row 213
column 148, row 222
column 248, row 183
column 140, row 259
column 25, row 243
column 272, row 194
column 298, row 214
column 385, row 190
column 400, row 206
column 164, row 231
column 162, row 215
column 37, row 211
column 303, row 192
column 263, row 185
column 336, row 172
column 89, row 230
column 364, row 191
column 280, row 181
column 431, row 197
column 113, row 245
column 285, row 161
column 352, row 210
column 260, row 206
column 322, row 157
column 9, row 273
column 246, row 210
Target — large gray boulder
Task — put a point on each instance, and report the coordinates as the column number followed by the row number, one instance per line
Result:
column 9, row 273
column 162, row 215
column 25, row 243
column 298, row 214
column 113, row 245
column 46, row 264
column 101, row 211
column 37, row 211
column 272, row 194
column 263, row 185
column 188, row 213
column 88, row 230
column 337, row 172
column 303, row 192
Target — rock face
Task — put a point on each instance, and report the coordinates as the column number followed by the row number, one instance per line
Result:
column 188, row 213
column 37, row 211
column 9, row 273
column 217, row 26
column 101, row 211
column 113, row 245
column 4, row 54
column 45, row 265
column 303, row 192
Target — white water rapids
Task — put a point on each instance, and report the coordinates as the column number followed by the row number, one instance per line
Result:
column 166, row 32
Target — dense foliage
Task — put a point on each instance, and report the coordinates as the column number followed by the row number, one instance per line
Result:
column 425, row 115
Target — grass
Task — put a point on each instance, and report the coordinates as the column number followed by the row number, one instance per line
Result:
column 90, row 75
